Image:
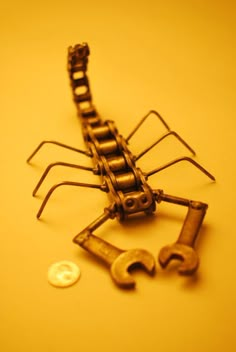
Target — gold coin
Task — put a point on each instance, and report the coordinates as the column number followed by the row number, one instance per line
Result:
column 63, row 274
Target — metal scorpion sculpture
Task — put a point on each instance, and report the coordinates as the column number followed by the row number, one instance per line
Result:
column 125, row 183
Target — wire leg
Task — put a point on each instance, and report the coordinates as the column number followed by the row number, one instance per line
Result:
column 59, row 163
column 173, row 133
column 67, row 183
column 201, row 168
column 142, row 121
column 60, row 145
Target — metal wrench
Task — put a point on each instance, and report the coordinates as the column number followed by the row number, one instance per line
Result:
column 183, row 249
column 119, row 261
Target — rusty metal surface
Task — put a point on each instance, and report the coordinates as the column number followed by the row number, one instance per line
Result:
column 125, row 183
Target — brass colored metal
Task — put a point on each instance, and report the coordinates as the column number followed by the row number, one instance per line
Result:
column 87, row 153
column 117, row 163
column 124, row 182
column 59, row 163
column 183, row 249
column 119, row 261
column 185, row 158
column 106, row 147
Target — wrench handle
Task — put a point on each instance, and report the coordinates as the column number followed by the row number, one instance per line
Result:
column 98, row 247
column 192, row 223
column 95, row 245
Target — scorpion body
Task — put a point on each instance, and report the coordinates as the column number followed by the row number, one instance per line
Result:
column 125, row 183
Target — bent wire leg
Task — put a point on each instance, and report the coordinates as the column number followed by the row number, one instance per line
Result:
column 201, row 168
column 142, row 121
column 183, row 248
column 59, row 163
column 87, row 153
column 67, row 183
column 170, row 133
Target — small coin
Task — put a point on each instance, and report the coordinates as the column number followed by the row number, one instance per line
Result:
column 63, row 273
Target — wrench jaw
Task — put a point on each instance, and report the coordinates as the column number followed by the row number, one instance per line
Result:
column 186, row 254
column 134, row 258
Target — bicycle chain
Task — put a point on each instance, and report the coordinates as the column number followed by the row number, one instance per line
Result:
column 113, row 161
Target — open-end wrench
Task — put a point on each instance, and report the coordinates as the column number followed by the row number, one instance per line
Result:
column 119, row 261
column 183, row 248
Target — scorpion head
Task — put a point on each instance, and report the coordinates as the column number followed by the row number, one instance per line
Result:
column 138, row 201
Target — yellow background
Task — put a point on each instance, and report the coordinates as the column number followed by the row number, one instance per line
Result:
column 177, row 57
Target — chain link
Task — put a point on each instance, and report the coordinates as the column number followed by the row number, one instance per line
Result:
column 112, row 158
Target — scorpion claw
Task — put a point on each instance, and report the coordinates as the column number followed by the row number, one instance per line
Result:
column 184, row 253
column 129, row 260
